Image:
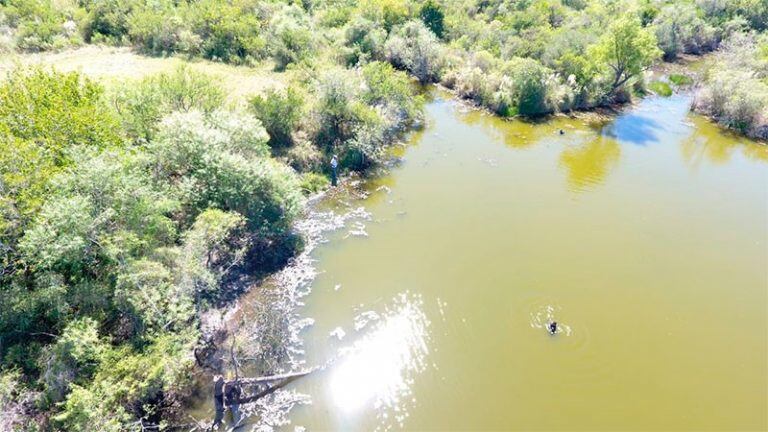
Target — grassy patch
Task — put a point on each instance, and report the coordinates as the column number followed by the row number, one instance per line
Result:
column 116, row 65
column 680, row 79
column 660, row 88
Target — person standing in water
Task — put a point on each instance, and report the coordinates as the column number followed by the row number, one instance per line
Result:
column 334, row 166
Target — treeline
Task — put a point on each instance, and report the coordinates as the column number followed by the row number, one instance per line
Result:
column 514, row 57
column 126, row 214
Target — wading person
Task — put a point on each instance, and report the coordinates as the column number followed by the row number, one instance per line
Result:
column 334, row 165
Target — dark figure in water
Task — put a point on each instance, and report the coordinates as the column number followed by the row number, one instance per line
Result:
column 562, row 132
column 552, row 327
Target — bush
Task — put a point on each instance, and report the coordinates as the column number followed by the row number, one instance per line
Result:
column 680, row 80
column 291, row 38
column 414, row 48
column 212, row 164
column 304, row 157
column 157, row 27
column 312, row 183
column 44, row 116
column 229, row 31
column 40, row 25
column 680, row 30
column 141, row 106
column 392, row 92
column 432, row 16
column 660, row 88
column 280, row 113
column 527, row 87
column 337, row 112
column 364, row 41
column 736, row 93
column 107, row 21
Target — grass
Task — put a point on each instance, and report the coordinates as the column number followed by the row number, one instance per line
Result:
column 111, row 65
column 660, row 88
column 680, row 79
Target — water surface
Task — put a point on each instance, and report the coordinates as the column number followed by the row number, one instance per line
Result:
column 644, row 237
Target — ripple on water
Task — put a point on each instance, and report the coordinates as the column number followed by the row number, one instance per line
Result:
column 378, row 371
column 573, row 339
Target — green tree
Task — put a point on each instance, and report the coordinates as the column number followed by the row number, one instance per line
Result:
column 432, row 15
column 626, row 49
column 280, row 113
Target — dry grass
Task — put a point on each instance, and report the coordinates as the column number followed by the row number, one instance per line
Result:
column 112, row 65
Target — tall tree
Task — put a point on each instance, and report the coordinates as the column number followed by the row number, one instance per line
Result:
column 627, row 49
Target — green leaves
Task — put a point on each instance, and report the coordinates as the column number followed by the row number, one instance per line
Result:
column 626, row 49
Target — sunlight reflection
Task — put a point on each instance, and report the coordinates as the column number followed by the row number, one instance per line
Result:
column 380, row 368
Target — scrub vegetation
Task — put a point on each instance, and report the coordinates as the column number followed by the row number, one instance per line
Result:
column 130, row 208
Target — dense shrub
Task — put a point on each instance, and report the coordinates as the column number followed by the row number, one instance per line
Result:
column 280, row 113
column 41, row 25
column 416, row 49
column 107, row 21
column 219, row 161
column 229, row 31
column 736, row 92
column 44, row 116
column 432, row 16
column 680, row 30
column 142, row 105
column 364, row 41
column 291, row 39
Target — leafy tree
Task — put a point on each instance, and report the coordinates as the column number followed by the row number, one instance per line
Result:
column 432, row 15
column 280, row 113
column 626, row 49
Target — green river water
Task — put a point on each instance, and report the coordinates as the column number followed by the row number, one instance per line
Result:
column 645, row 237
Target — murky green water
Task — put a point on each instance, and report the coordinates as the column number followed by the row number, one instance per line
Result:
column 645, row 238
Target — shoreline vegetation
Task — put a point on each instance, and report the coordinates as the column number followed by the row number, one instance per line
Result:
column 142, row 195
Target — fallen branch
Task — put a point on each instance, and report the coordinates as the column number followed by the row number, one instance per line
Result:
column 271, row 378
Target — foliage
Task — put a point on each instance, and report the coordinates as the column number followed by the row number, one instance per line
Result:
column 625, row 50
column 41, row 25
column 142, row 105
column 219, row 161
column 107, row 21
column 416, row 49
column 312, row 183
column 432, row 15
column 43, row 115
column 111, row 252
column 292, row 38
column 660, row 88
column 736, row 91
column 679, row 29
column 364, row 41
column 680, row 79
column 280, row 113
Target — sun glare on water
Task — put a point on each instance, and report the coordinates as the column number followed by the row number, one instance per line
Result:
column 378, row 371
